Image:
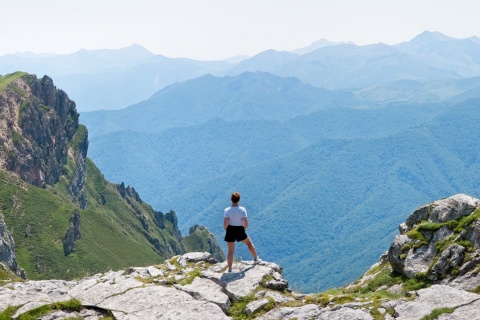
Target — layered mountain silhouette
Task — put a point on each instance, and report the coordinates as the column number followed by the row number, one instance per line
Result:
column 114, row 79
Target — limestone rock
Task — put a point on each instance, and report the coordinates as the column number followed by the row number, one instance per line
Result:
column 159, row 302
column 309, row 311
column 451, row 257
column 395, row 252
column 207, row 290
column 469, row 311
column 242, row 281
column 345, row 314
column 73, row 233
column 94, row 290
column 453, row 208
column 278, row 297
column 437, row 296
column 417, row 216
column 7, row 250
column 196, row 257
column 256, row 305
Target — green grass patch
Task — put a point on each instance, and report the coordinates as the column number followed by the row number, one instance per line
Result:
column 190, row 277
column 71, row 305
column 8, row 313
column 430, row 226
column 23, row 108
column 79, row 137
column 436, row 312
column 237, row 310
column 9, row 78
column 414, row 284
column 17, row 137
column 476, row 290
column 467, row 220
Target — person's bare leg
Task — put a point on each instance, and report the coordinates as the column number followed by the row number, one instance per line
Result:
column 251, row 247
column 231, row 250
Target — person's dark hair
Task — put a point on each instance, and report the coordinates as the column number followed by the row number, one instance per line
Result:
column 235, row 197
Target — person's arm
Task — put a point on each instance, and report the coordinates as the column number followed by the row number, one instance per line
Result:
column 226, row 221
column 245, row 223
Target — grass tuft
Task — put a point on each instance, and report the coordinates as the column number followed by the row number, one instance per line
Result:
column 436, row 312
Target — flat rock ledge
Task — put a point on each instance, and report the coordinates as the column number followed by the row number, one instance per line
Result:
column 200, row 289
column 192, row 286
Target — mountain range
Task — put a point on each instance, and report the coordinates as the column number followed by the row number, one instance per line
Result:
column 114, row 79
column 316, row 141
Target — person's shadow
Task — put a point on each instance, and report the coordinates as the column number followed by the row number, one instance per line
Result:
column 234, row 276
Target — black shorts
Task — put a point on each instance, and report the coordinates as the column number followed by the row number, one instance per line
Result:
column 235, row 233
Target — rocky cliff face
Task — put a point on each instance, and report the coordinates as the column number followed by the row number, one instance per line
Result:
column 101, row 225
column 440, row 242
column 40, row 131
column 7, row 250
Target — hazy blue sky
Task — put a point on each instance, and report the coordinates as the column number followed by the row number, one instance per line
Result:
column 217, row 29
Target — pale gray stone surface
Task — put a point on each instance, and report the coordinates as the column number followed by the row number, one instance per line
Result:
column 420, row 260
column 436, row 296
column 159, row 302
column 242, row 281
column 468, row 312
column 416, row 217
column 277, row 296
column 196, row 257
column 128, row 298
column 307, row 312
column 453, row 207
column 20, row 293
column 468, row 281
column 84, row 314
column 395, row 251
column 207, row 290
column 94, row 291
column 256, row 305
column 345, row 314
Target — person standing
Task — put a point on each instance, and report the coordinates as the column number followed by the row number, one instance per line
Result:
column 235, row 223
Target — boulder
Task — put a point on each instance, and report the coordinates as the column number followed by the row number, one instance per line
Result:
column 256, row 305
column 450, row 258
column 395, row 252
column 416, row 217
column 452, row 208
column 195, row 257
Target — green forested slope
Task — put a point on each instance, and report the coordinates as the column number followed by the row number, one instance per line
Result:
column 112, row 236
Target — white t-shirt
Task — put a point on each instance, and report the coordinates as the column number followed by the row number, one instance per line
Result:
column 235, row 215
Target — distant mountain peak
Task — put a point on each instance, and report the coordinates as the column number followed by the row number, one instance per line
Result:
column 430, row 36
column 320, row 43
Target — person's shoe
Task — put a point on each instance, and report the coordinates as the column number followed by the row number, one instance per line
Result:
column 258, row 260
column 229, row 271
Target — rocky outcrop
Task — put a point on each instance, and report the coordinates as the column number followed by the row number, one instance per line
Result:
column 7, row 250
column 73, row 233
column 201, row 239
column 40, row 132
column 439, row 242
